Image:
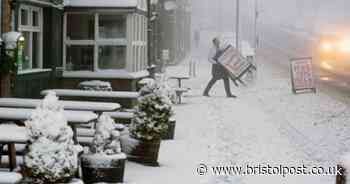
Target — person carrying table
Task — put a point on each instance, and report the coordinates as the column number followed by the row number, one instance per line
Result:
column 218, row 71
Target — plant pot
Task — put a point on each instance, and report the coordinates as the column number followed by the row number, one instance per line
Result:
column 30, row 178
column 103, row 168
column 170, row 133
column 146, row 152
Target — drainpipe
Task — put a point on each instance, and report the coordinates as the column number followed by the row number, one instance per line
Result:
column 149, row 32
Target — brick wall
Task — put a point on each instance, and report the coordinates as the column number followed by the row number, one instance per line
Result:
column 6, row 16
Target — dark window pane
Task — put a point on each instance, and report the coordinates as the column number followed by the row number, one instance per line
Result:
column 112, row 57
column 80, row 27
column 80, row 58
column 112, row 26
column 35, row 17
column 24, row 17
column 35, row 50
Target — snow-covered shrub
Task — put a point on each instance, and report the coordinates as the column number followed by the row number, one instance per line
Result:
column 159, row 84
column 106, row 139
column 52, row 156
column 152, row 113
column 96, row 85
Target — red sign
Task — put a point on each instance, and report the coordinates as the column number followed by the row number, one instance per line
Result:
column 302, row 75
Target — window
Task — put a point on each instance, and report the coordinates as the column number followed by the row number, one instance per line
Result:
column 30, row 24
column 95, row 41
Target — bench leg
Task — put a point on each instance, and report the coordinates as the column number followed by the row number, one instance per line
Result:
column 75, row 134
column 12, row 156
column 1, row 152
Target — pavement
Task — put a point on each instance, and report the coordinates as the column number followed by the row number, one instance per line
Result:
column 266, row 125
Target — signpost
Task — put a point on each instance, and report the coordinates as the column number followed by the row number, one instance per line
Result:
column 232, row 60
column 302, row 75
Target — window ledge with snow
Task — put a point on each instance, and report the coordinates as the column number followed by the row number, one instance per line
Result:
column 106, row 74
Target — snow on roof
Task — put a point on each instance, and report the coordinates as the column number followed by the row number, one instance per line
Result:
column 140, row 4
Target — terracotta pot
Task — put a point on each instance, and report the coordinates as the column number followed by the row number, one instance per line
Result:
column 103, row 168
column 146, row 152
column 170, row 134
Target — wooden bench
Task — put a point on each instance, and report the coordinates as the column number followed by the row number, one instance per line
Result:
column 97, row 107
column 121, row 117
column 125, row 98
column 10, row 135
column 74, row 118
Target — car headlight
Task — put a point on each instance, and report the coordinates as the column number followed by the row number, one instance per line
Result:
column 327, row 47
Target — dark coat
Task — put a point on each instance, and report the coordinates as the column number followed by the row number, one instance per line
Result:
column 217, row 70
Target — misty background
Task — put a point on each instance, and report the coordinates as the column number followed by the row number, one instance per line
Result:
column 305, row 16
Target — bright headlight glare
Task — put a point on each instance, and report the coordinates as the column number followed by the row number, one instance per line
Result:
column 326, row 46
column 345, row 46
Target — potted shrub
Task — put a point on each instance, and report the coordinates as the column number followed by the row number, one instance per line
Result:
column 150, row 123
column 51, row 156
column 104, row 161
column 170, row 132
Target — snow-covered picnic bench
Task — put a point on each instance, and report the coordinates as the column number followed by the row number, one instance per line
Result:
column 74, row 118
column 97, row 107
column 11, row 135
column 127, row 99
column 180, row 89
column 92, row 94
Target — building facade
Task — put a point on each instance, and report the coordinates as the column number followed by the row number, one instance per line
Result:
column 105, row 41
column 171, row 30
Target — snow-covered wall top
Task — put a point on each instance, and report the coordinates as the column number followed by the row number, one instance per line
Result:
column 139, row 4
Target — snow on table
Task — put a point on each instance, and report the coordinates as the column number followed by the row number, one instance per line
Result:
column 9, row 177
column 67, row 105
column 92, row 94
column 13, row 134
column 20, row 114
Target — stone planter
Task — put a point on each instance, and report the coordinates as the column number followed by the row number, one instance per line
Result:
column 146, row 152
column 103, row 168
column 170, row 134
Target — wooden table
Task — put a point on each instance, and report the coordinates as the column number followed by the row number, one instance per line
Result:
column 97, row 107
column 179, row 79
column 11, row 135
column 92, row 94
column 74, row 118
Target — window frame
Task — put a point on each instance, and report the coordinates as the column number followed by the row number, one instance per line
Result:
column 96, row 42
column 31, row 30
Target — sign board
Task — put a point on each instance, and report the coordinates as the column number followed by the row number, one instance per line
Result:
column 302, row 75
column 165, row 55
column 234, row 62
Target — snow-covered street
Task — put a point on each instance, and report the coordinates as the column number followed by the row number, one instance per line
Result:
column 266, row 124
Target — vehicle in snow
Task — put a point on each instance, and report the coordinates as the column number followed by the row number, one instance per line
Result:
column 332, row 55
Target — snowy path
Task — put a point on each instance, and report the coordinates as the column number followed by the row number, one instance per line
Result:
column 265, row 125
